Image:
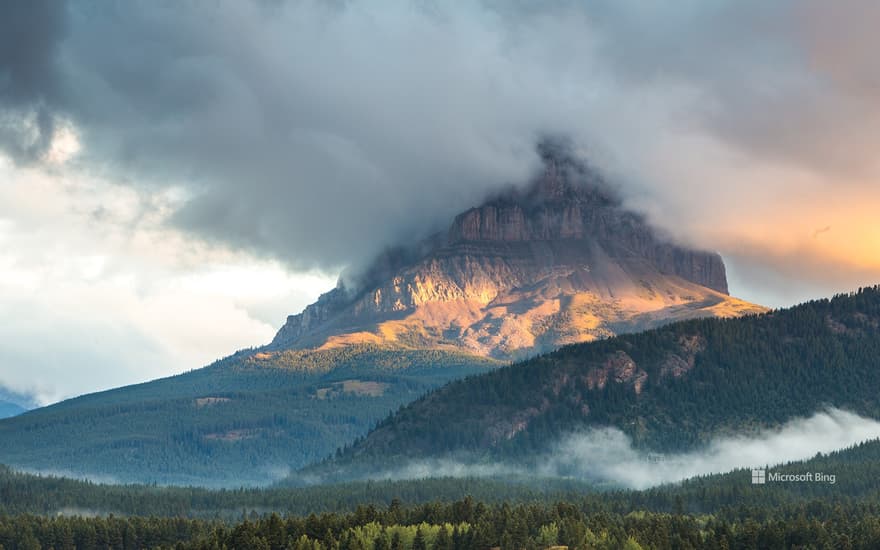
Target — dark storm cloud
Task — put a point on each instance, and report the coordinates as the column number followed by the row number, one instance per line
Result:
column 320, row 132
column 30, row 34
column 302, row 131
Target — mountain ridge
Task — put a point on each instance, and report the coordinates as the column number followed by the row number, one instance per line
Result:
column 670, row 389
column 247, row 419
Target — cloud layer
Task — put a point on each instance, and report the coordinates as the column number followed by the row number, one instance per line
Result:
column 320, row 132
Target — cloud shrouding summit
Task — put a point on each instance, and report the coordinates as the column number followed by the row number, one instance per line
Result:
column 320, row 132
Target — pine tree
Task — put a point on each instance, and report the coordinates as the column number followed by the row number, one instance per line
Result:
column 443, row 540
column 419, row 541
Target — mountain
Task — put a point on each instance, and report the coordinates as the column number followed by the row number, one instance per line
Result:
column 558, row 262
column 674, row 388
column 8, row 409
column 531, row 269
column 245, row 420
column 13, row 403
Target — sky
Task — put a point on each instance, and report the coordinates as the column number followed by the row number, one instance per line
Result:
column 177, row 177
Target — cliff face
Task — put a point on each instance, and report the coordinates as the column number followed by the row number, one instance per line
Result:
column 527, row 271
column 586, row 216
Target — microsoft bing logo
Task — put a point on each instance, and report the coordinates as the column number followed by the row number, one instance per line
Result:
column 759, row 476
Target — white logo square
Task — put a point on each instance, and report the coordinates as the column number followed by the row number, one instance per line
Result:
column 759, row 476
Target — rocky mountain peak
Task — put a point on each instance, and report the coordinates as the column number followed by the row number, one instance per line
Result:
column 533, row 267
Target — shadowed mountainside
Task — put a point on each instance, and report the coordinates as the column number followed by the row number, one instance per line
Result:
column 671, row 389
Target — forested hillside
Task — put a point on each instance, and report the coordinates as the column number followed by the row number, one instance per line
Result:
column 465, row 525
column 669, row 389
column 721, row 511
column 856, row 470
column 247, row 419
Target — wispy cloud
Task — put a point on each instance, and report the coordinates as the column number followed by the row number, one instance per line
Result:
column 609, row 455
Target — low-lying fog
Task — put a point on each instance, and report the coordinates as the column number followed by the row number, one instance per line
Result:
column 607, row 455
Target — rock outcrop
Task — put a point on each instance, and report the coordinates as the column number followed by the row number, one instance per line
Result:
column 559, row 262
